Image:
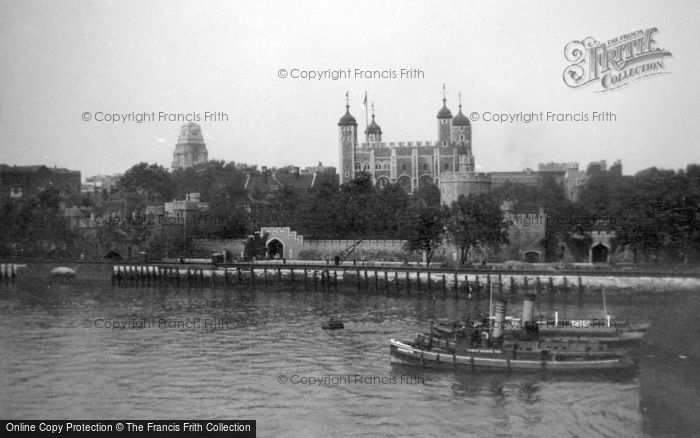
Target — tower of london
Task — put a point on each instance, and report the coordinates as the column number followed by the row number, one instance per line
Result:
column 447, row 162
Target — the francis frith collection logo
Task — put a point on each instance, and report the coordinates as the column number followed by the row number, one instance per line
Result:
column 615, row 63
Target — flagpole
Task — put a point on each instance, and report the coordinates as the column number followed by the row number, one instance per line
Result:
column 366, row 121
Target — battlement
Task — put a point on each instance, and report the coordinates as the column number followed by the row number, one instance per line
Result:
column 470, row 177
column 399, row 144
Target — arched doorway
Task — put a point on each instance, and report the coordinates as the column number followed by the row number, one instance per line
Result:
column 404, row 182
column 275, row 249
column 382, row 182
column 599, row 253
column 531, row 257
column 425, row 180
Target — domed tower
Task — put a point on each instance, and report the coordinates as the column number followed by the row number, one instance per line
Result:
column 347, row 133
column 373, row 131
column 462, row 138
column 190, row 149
column 444, row 117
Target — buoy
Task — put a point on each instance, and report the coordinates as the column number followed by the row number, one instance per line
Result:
column 63, row 272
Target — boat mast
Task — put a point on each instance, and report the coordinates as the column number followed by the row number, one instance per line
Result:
column 490, row 306
column 605, row 309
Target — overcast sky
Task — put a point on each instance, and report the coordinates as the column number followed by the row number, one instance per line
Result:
column 63, row 58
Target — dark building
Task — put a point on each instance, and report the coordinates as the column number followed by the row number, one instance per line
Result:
column 28, row 181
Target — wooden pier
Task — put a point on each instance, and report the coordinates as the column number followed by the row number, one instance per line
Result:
column 328, row 278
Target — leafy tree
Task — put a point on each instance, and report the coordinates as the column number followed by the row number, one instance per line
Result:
column 475, row 220
column 151, row 182
column 424, row 229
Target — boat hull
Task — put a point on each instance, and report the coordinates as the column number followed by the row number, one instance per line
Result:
column 404, row 353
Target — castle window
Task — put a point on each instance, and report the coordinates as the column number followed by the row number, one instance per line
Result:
column 387, row 165
column 461, row 137
column 403, row 167
column 425, row 166
column 358, row 166
column 461, row 128
column 444, row 143
column 446, row 166
column 377, row 165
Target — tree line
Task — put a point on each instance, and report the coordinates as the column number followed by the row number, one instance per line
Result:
column 655, row 213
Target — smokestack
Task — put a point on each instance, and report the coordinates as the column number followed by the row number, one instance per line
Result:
column 499, row 320
column 528, row 310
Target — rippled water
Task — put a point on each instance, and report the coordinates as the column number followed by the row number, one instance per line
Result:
column 52, row 367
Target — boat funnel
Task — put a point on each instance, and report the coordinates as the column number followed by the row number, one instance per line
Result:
column 499, row 320
column 528, row 310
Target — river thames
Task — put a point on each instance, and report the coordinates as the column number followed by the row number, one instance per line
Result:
column 87, row 351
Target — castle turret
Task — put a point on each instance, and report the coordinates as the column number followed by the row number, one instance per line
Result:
column 444, row 117
column 462, row 138
column 347, row 132
column 373, row 131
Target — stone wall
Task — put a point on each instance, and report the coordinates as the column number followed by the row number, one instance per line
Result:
column 210, row 246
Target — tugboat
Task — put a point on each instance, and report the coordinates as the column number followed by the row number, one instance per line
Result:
column 482, row 347
column 606, row 333
column 333, row 324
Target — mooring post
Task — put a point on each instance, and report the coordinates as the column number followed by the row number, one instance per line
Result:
column 551, row 285
column 444, row 283
column 500, row 285
column 566, row 285
column 477, row 284
column 359, row 280
column 512, row 285
column 538, row 286
column 408, row 283
column 456, row 287
column 580, row 285
column 238, row 274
